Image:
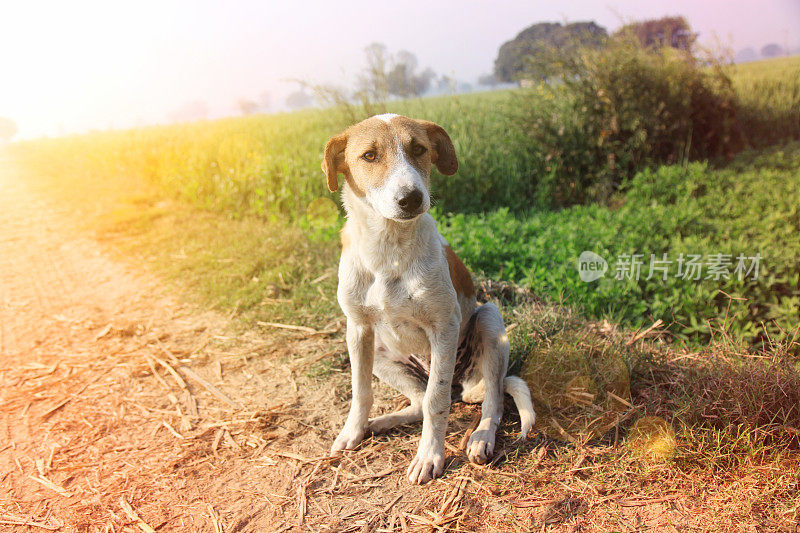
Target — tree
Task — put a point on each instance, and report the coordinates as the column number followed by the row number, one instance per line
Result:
column 299, row 100
column 771, row 50
column 488, row 80
column 446, row 83
column 373, row 80
column 251, row 106
column 386, row 74
column 247, row 106
column 190, row 111
column 658, row 33
column 8, row 128
column 265, row 101
column 745, row 55
column 400, row 80
column 513, row 56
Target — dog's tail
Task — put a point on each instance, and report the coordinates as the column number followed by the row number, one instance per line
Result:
column 518, row 389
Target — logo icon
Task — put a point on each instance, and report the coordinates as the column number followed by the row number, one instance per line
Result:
column 591, row 266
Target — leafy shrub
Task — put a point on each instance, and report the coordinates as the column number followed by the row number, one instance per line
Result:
column 620, row 108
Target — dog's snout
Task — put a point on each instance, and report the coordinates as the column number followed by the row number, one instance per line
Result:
column 411, row 201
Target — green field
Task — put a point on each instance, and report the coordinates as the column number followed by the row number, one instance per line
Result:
column 231, row 199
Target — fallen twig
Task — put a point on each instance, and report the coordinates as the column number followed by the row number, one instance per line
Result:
column 302, row 504
column 391, row 504
column 304, row 329
column 64, row 402
column 562, row 431
column 178, row 379
column 50, row 485
column 210, row 388
column 303, row 459
column 638, row 503
column 172, row 430
column 326, row 275
column 9, row 521
column 217, row 439
column 155, row 373
column 642, row 334
column 214, row 519
column 383, row 473
column 131, row 514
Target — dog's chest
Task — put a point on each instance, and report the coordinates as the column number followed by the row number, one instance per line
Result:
column 393, row 297
column 396, row 306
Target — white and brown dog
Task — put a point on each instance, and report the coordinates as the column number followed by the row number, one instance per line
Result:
column 410, row 304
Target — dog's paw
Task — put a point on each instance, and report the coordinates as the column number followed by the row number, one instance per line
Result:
column 427, row 464
column 480, row 446
column 347, row 440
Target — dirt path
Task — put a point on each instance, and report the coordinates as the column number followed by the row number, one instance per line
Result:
column 87, row 427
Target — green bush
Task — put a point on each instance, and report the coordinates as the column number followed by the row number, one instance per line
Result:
column 617, row 109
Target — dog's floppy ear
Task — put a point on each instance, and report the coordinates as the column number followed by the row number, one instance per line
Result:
column 444, row 154
column 333, row 162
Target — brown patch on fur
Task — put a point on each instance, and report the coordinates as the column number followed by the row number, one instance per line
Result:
column 333, row 162
column 443, row 152
column 345, row 236
column 459, row 275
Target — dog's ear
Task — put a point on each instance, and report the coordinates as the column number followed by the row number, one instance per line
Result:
column 444, row 153
column 333, row 162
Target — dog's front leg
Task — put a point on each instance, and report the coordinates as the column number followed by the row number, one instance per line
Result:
column 360, row 345
column 429, row 461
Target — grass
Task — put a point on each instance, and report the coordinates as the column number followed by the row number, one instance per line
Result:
column 263, row 171
column 776, row 81
column 168, row 191
column 245, row 266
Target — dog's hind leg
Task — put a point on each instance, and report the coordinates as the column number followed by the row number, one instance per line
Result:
column 407, row 376
column 484, row 383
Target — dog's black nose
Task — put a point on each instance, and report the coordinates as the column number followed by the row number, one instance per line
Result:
column 411, row 201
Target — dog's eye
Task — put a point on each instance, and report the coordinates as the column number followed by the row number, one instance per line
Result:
column 418, row 149
column 370, row 156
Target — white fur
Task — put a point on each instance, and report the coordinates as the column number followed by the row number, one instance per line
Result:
column 386, row 117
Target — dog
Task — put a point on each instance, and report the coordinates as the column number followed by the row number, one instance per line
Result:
column 410, row 304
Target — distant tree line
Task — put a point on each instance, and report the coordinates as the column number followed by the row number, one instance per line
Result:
column 528, row 54
column 384, row 75
column 767, row 51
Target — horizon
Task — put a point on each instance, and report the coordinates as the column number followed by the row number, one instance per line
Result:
column 97, row 66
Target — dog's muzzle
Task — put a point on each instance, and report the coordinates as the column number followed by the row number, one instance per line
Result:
column 410, row 203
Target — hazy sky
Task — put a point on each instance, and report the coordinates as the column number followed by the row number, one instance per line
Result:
column 73, row 65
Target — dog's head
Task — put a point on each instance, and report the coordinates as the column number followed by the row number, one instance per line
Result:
column 386, row 161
